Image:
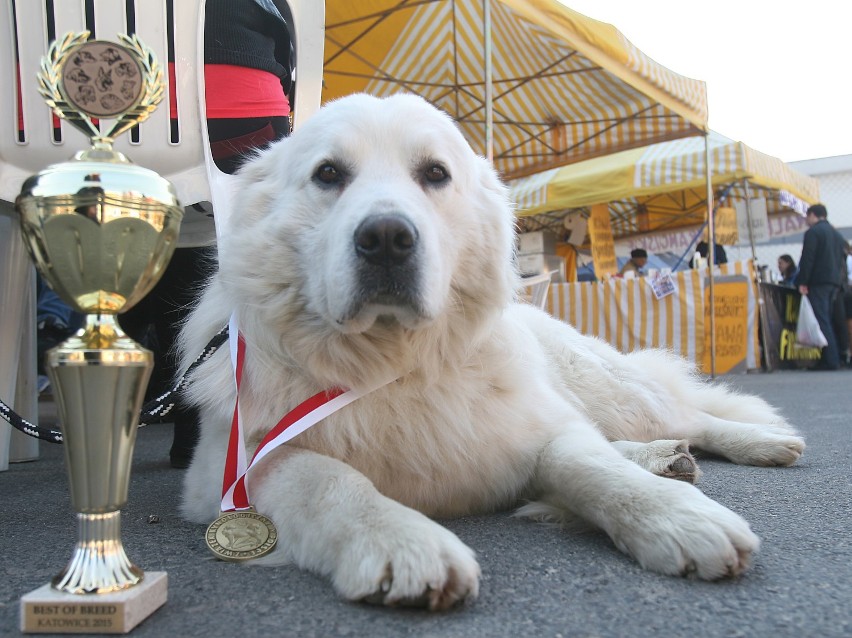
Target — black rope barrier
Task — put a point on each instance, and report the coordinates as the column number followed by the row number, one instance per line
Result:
column 152, row 411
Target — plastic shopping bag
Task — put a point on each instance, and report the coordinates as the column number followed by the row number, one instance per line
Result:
column 807, row 327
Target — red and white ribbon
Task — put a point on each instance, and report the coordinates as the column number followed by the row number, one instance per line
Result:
column 235, row 494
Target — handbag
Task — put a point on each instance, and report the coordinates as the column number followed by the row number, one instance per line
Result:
column 808, row 332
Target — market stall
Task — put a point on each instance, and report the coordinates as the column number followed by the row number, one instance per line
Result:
column 662, row 187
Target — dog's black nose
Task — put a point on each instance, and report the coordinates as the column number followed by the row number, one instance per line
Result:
column 385, row 239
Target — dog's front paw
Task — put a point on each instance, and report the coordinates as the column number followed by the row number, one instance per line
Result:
column 666, row 458
column 408, row 560
column 671, row 527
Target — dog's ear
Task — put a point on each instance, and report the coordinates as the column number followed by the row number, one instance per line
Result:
column 258, row 182
column 494, row 259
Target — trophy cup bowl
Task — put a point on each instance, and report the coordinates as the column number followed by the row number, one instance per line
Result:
column 101, row 231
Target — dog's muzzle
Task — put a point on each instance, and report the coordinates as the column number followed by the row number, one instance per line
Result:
column 388, row 266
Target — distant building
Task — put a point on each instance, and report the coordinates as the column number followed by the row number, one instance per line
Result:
column 835, row 187
column 835, row 191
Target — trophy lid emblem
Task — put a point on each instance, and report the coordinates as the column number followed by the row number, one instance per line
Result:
column 83, row 80
column 101, row 79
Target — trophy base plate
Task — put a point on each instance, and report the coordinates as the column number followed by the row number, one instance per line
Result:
column 47, row 611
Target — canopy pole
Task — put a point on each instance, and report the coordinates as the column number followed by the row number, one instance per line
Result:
column 711, row 252
column 489, row 106
column 748, row 218
column 761, row 303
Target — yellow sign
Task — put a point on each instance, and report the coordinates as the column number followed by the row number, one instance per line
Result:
column 727, row 232
column 731, row 321
column 603, row 246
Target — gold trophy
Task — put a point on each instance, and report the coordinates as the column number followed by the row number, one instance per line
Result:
column 101, row 231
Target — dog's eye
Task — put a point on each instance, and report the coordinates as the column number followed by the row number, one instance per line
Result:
column 436, row 174
column 328, row 173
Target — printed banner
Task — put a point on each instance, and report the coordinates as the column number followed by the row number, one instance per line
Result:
column 727, row 232
column 782, row 225
column 730, row 300
column 603, row 246
column 759, row 221
column 781, row 309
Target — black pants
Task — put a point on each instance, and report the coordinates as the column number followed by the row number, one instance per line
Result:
column 155, row 322
column 839, row 322
column 823, row 298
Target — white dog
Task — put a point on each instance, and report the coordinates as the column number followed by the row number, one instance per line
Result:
column 375, row 244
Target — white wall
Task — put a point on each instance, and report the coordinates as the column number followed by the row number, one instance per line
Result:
column 835, row 190
column 835, row 187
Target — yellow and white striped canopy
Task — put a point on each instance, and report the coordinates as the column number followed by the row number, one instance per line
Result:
column 662, row 186
column 565, row 87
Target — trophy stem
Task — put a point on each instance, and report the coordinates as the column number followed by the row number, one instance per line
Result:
column 99, row 378
column 99, row 392
column 99, row 564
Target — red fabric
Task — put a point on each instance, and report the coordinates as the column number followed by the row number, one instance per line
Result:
column 20, row 101
column 303, row 409
column 231, row 470
column 172, row 92
column 237, row 91
column 240, row 497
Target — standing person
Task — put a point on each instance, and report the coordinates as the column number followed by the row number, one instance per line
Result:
column 703, row 249
column 637, row 262
column 788, row 270
column 248, row 62
column 822, row 273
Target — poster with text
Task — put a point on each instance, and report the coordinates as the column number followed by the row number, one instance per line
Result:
column 603, row 246
column 730, row 295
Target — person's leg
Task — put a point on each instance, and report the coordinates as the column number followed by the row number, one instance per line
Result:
column 847, row 307
column 822, row 298
column 838, row 320
column 165, row 308
column 137, row 322
column 182, row 283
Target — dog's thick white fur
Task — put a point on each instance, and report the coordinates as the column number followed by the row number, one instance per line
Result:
column 375, row 243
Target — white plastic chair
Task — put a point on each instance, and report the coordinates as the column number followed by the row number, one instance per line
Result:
column 25, row 33
column 536, row 288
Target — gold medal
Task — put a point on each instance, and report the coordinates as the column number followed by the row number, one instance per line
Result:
column 241, row 535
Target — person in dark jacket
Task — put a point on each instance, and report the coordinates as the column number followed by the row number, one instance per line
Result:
column 248, row 63
column 822, row 272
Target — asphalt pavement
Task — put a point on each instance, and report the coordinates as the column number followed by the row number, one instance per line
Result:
column 536, row 580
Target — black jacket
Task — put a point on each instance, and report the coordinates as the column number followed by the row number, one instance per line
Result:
column 250, row 33
column 823, row 256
